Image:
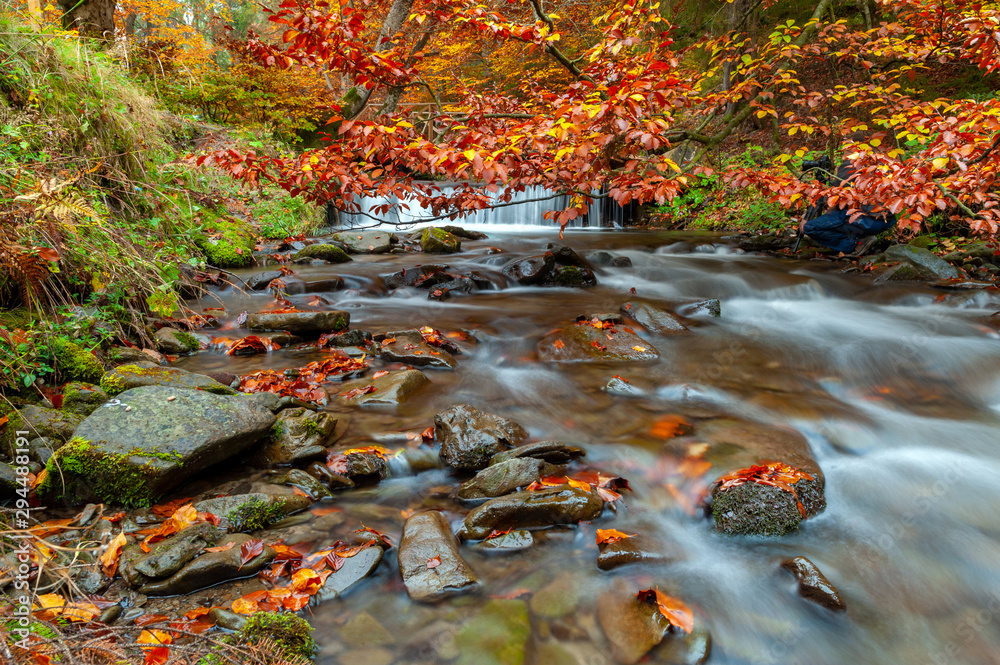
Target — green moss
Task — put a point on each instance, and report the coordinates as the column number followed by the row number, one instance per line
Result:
column 188, row 340
column 290, row 634
column 439, row 241
column 75, row 362
column 254, row 514
column 79, row 471
column 755, row 510
column 82, row 398
column 226, row 241
column 311, row 427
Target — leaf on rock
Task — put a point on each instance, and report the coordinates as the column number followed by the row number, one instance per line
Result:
column 674, row 610
column 109, row 560
column 250, row 345
column 433, row 562
column 670, row 426
column 222, row 548
column 773, row 474
column 250, row 550
column 558, row 344
column 609, row 536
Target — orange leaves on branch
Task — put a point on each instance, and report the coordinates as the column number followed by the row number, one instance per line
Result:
column 610, row 536
column 674, row 610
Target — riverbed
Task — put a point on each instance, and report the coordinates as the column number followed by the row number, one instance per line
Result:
column 894, row 386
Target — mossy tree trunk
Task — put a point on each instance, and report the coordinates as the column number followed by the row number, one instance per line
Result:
column 93, row 18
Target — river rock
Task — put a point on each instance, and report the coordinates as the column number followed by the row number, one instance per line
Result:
column 350, row 338
column 300, row 322
column 926, row 261
column 498, row 635
column 427, row 539
column 175, row 342
column 155, row 437
column 622, row 387
column 470, row 438
column 514, row 540
column 169, row 555
column 753, row 508
column 82, row 398
column 408, row 346
column 439, row 241
column 653, row 319
column 566, row 256
column 554, row 452
column 127, row 377
column 366, row 242
column 576, row 344
column 357, row 464
column 259, row 281
column 224, row 618
column 621, row 262
column 211, row 568
column 465, row 233
column 353, row 570
column 635, row 549
column 309, row 484
column 322, row 252
column 531, row 270
column 541, row 508
column 249, row 512
column 390, row 389
column 329, row 479
column 298, row 435
column 571, row 276
column 701, row 308
column 54, row 424
column 813, row 584
column 420, row 276
column 558, row 598
column 504, row 478
column 633, row 627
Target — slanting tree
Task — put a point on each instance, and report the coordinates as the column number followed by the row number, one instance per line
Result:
column 93, row 18
column 623, row 95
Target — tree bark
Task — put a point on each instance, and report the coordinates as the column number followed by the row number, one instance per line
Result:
column 93, row 18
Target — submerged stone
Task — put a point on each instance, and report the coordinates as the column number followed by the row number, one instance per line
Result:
column 429, row 559
column 541, row 508
column 581, row 342
column 653, row 319
column 813, row 584
column 470, row 438
column 300, row 322
column 498, row 635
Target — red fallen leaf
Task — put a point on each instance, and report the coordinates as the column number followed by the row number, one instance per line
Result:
column 364, row 390
column 675, row 611
column 250, row 549
column 609, row 536
column 222, row 548
column 774, row 474
column 632, row 290
column 158, row 655
column 114, row 519
column 433, row 562
column 250, row 345
column 379, row 536
column 388, row 340
column 297, row 492
column 109, row 560
column 558, row 344
column 597, row 345
column 47, row 253
column 169, row 508
column 427, row 435
column 496, row 533
column 628, row 306
column 197, row 612
column 670, row 426
column 621, row 378
column 147, row 619
column 379, row 374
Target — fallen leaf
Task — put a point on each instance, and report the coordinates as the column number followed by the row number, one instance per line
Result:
column 250, row 550
column 675, row 611
column 433, row 562
column 109, row 560
column 609, row 536
column 670, row 426
column 222, row 548
column 559, row 344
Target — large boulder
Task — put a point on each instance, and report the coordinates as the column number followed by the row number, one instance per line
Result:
column 439, row 241
column 429, row 560
column 470, row 438
column 366, row 242
column 537, row 508
column 504, row 478
column 132, row 452
column 925, row 261
column 300, row 322
column 587, row 342
column 126, row 377
column 300, row 434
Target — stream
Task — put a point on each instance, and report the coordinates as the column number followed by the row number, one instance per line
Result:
column 894, row 386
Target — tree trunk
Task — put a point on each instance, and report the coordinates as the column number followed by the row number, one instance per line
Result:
column 93, row 18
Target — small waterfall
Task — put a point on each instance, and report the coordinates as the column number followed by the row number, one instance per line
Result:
column 527, row 210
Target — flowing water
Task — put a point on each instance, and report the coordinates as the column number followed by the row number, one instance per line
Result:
column 895, row 387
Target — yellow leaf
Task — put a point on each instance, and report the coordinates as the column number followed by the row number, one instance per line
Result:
column 49, row 600
column 940, row 162
column 154, row 637
column 469, row 154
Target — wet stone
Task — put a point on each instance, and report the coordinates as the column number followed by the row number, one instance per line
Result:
column 174, row 341
column 701, row 308
column 632, row 627
column 366, row 242
column 168, row 556
column 211, row 568
column 623, row 388
column 298, row 435
column 581, row 342
column 224, row 618
column 470, row 437
column 554, row 452
column 126, row 377
column 427, row 539
column 558, row 598
column 300, row 322
column 541, row 508
column 328, row 478
column 353, row 570
column 636, row 549
column 329, row 253
column 503, row 478
column 653, row 319
column 82, row 398
column 515, row 540
column 813, row 584
column 498, row 635
column 305, row 482
column 408, row 346
column 357, row 465
column 259, row 281
column 390, row 389
column 530, row 270
column 248, row 512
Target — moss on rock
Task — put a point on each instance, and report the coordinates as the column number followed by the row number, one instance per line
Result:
column 82, row 398
column 288, row 633
column 76, row 363
column 254, row 514
column 110, row 478
column 754, row 509
column 438, row 241
column 227, row 242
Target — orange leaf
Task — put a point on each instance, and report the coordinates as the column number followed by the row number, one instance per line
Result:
column 609, row 536
column 244, row 606
column 222, row 548
column 433, row 562
column 109, row 560
column 669, row 426
column 558, row 344
column 675, row 611
column 250, row 550
column 157, row 656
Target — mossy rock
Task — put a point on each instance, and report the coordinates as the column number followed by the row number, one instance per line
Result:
column 324, row 252
column 233, row 248
column 289, row 634
column 39, row 421
column 79, row 470
column 76, row 363
column 250, row 512
column 754, row 509
column 571, row 276
column 126, row 377
column 82, row 398
column 498, row 635
column 438, row 241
